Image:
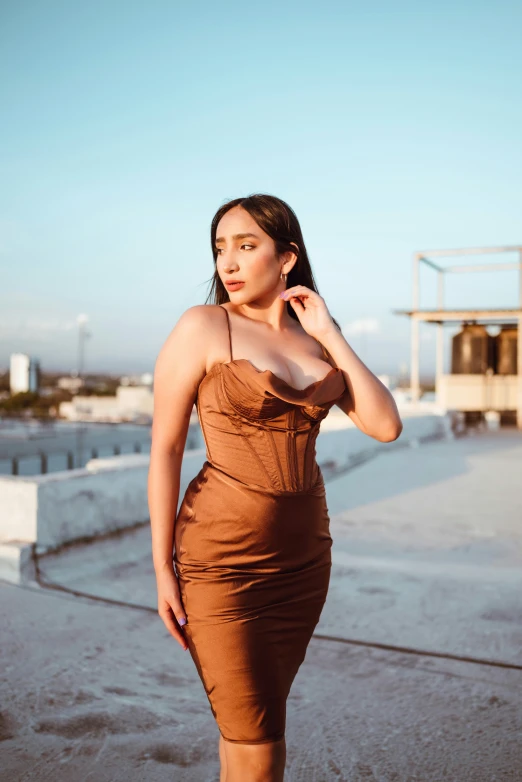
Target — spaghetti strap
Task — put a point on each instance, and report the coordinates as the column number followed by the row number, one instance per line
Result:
column 229, row 331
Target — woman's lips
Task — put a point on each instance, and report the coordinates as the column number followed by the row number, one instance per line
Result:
column 234, row 286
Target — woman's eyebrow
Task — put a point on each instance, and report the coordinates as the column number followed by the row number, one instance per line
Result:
column 237, row 236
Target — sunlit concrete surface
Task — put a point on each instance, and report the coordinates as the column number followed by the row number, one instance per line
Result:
column 415, row 672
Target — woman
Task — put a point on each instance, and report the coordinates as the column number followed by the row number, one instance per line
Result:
column 264, row 363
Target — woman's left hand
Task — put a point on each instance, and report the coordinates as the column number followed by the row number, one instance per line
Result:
column 311, row 310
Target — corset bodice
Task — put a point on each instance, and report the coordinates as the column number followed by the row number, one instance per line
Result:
column 256, row 424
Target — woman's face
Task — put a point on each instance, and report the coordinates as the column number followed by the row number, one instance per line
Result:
column 246, row 254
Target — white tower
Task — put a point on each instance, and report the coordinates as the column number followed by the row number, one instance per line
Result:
column 24, row 373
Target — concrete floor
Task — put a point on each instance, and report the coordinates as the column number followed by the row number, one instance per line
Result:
column 415, row 673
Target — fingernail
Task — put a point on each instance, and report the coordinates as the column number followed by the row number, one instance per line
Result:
column 182, row 621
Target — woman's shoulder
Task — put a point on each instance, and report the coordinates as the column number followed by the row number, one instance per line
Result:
column 190, row 337
column 199, row 315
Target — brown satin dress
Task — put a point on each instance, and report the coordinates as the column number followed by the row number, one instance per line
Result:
column 252, row 542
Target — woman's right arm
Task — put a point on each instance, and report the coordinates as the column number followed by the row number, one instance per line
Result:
column 179, row 368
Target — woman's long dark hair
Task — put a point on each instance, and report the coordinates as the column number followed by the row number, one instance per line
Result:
column 280, row 222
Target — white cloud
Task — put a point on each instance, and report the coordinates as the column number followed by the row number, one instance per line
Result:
column 40, row 329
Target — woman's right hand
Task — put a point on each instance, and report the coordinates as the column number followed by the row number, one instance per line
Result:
column 170, row 607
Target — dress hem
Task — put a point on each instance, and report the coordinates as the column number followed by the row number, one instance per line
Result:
column 278, row 737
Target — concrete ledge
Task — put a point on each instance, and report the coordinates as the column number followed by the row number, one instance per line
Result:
column 342, row 444
column 17, row 561
column 105, row 496
column 18, row 508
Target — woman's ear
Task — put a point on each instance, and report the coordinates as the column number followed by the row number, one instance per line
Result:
column 290, row 255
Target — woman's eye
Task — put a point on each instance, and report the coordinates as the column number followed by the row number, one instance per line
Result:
column 217, row 249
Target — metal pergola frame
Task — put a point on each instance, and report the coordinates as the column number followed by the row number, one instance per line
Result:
column 441, row 316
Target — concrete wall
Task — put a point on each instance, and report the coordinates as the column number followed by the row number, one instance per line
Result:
column 478, row 392
column 340, row 446
column 111, row 494
column 128, row 402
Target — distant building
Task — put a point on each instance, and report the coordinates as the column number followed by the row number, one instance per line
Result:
column 145, row 379
column 72, row 384
column 131, row 403
column 24, row 373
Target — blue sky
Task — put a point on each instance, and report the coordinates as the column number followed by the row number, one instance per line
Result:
column 388, row 127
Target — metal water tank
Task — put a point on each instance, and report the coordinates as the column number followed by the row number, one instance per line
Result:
column 472, row 351
column 506, row 349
